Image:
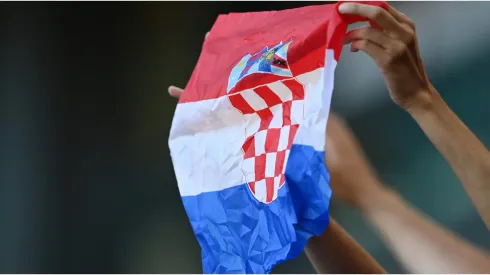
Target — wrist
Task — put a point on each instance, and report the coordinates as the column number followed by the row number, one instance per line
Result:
column 423, row 100
column 375, row 199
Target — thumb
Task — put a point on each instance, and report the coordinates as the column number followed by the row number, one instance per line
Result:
column 175, row 91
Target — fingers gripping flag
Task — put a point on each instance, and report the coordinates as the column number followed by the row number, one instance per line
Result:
column 248, row 136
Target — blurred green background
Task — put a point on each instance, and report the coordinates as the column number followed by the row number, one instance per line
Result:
column 86, row 180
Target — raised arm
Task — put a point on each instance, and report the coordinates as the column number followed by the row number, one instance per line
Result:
column 395, row 51
column 466, row 155
column 418, row 242
column 335, row 251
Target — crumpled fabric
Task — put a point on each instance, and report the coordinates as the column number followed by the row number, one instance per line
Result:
column 247, row 139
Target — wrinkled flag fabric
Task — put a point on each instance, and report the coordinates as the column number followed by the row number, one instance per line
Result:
column 248, row 136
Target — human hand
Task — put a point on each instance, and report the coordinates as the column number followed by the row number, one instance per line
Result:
column 175, row 91
column 393, row 46
column 351, row 176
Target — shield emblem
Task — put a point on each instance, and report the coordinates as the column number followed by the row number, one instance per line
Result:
column 267, row 61
column 273, row 112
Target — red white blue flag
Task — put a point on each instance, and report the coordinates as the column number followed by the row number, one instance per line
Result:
column 248, row 136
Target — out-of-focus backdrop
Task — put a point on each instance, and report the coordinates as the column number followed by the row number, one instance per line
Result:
column 86, row 180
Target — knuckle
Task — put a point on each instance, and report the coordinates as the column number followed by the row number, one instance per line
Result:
column 363, row 44
column 395, row 53
column 402, row 48
column 363, row 32
column 410, row 36
column 377, row 13
column 410, row 24
column 388, row 61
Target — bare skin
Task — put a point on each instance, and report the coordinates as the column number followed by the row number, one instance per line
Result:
column 419, row 243
column 395, row 51
column 335, row 251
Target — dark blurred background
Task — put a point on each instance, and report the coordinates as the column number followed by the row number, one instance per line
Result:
column 86, row 180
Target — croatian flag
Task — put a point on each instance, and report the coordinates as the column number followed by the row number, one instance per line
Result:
column 248, row 136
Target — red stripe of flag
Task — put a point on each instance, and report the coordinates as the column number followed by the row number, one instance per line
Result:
column 252, row 186
column 260, row 163
column 292, row 134
column 296, row 88
column 241, row 104
column 269, row 182
column 249, row 147
column 286, row 113
column 272, row 139
column 265, row 118
column 282, row 180
column 280, row 157
column 270, row 98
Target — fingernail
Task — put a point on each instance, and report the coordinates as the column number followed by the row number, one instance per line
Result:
column 169, row 90
column 345, row 7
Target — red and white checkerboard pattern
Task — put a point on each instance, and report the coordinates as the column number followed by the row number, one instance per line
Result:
column 273, row 113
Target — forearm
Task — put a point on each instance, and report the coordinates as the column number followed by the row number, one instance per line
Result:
column 419, row 243
column 466, row 155
column 335, row 251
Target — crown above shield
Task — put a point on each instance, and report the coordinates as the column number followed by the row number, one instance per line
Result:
column 267, row 61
